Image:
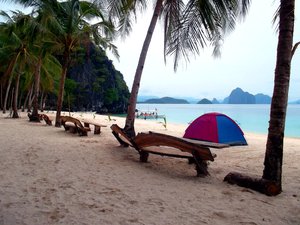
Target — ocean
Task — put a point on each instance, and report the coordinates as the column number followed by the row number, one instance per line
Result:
column 251, row 118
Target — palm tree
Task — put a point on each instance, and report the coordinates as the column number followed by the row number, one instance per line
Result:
column 25, row 30
column 69, row 28
column 185, row 29
column 16, row 51
column 274, row 151
column 270, row 183
column 39, row 35
column 129, row 124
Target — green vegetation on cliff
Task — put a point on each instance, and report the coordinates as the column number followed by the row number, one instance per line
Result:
column 93, row 84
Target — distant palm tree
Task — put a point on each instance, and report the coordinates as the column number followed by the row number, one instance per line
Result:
column 16, row 52
column 46, row 63
column 69, row 27
column 185, row 29
column 22, row 47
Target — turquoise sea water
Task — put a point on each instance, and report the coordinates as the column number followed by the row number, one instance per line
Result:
column 251, row 118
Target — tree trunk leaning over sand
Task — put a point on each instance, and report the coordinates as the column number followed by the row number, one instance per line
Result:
column 6, row 94
column 129, row 124
column 60, row 96
column 15, row 98
column 274, row 148
column 8, row 72
column 37, row 75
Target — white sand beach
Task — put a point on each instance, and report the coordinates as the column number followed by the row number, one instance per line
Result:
column 49, row 176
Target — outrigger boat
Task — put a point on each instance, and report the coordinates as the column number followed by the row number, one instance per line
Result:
column 148, row 114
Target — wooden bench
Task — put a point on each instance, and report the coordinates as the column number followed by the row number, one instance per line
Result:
column 42, row 117
column 197, row 152
column 46, row 119
column 73, row 125
column 97, row 126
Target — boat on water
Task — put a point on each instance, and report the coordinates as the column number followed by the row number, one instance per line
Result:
column 148, row 114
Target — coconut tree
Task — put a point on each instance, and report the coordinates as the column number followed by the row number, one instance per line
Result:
column 39, row 35
column 69, row 28
column 76, row 30
column 15, row 51
column 270, row 183
column 73, row 29
column 186, row 28
column 24, row 43
column 274, row 151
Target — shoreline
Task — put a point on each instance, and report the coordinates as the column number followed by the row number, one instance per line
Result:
column 251, row 118
column 49, row 176
column 91, row 115
column 184, row 125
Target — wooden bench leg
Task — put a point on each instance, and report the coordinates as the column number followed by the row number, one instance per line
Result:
column 48, row 122
column 144, row 156
column 87, row 126
column 201, row 168
column 97, row 129
column 66, row 127
column 82, row 133
column 122, row 143
column 201, row 165
column 73, row 129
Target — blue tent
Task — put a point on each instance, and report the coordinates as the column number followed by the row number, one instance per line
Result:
column 216, row 127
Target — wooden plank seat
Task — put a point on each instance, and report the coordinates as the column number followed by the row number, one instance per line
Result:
column 46, row 119
column 197, row 152
column 73, row 125
column 42, row 117
column 97, row 126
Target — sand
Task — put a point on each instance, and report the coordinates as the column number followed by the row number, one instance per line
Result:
column 49, row 176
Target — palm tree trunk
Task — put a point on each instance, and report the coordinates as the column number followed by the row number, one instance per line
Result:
column 1, row 97
column 129, row 124
column 274, row 151
column 30, row 99
column 270, row 183
column 41, row 102
column 7, row 73
column 15, row 100
column 20, row 99
column 6, row 95
column 26, row 99
column 35, row 115
column 61, row 88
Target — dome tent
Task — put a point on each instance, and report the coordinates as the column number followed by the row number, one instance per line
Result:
column 216, row 127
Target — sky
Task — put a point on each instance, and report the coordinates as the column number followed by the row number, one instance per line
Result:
column 247, row 59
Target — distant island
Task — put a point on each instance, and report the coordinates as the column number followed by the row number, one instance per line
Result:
column 204, row 101
column 165, row 100
column 237, row 96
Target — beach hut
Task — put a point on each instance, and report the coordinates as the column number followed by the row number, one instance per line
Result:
column 216, row 127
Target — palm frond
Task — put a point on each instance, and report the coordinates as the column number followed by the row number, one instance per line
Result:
column 203, row 22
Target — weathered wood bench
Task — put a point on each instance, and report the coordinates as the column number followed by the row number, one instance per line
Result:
column 197, row 152
column 41, row 117
column 73, row 125
column 97, row 126
column 46, row 119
